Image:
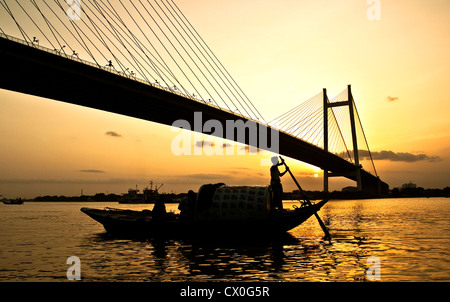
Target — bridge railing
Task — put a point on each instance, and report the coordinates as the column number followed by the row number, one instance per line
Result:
column 75, row 57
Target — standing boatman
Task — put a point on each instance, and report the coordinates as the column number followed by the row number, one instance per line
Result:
column 275, row 183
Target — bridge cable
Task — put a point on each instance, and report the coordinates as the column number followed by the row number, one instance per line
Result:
column 191, row 60
column 116, row 35
column 339, row 130
column 291, row 117
column 162, row 44
column 217, row 60
column 139, row 66
column 102, row 26
column 295, row 116
column 204, row 54
column 140, row 45
column 365, row 139
column 37, row 26
column 177, row 51
column 61, row 47
column 309, row 102
column 303, row 114
column 75, row 26
column 204, row 65
column 83, row 44
column 99, row 37
column 21, row 30
column 66, row 43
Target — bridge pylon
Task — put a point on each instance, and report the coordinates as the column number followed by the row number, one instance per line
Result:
column 327, row 105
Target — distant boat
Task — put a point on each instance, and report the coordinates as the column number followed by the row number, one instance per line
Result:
column 12, row 201
column 148, row 195
column 215, row 210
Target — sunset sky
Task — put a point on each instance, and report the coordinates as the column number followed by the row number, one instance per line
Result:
column 281, row 53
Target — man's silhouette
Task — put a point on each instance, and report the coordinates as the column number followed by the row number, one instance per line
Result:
column 275, row 183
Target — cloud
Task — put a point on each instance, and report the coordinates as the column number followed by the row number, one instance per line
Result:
column 113, row 133
column 200, row 144
column 212, row 144
column 398, row 156
column 207, row 176
column 196, row 179
column 244, row 172
column 91, row 171
column 250, row 149
column 391, row 98
column 110, row 181
column 53, row 181
column 229, row 177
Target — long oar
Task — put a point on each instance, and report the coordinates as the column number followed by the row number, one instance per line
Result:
column 322, row 225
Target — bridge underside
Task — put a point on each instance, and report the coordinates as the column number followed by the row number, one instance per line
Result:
column 32, row 71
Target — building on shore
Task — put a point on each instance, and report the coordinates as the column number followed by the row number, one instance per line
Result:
column 409, row 185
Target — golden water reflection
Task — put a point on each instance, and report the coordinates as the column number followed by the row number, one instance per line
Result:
column 410, row 238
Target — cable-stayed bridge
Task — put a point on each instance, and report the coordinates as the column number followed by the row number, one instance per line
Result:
column 144, row 59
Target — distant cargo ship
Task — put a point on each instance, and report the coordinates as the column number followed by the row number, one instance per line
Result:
column 148, row 195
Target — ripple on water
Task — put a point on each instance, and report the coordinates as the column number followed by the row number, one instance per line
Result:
column 410, row 237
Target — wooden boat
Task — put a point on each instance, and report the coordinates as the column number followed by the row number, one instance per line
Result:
column 262, row 221
column 216, row 210
column 12, row 201
column 128, row 222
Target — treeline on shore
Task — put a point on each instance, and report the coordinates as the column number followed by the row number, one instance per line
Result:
column 394, row 193
column 101, row 197
column 420, row 192
column 294, row 195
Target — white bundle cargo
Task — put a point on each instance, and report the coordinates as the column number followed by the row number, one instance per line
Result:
column 220, row 202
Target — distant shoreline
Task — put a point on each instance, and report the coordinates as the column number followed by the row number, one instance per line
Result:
column 176, row 202
column 294, row 195
column 93, row 201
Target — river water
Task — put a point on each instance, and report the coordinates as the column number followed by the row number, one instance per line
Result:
column 404, row 239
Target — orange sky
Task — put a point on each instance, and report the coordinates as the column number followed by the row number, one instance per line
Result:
column 281, row 53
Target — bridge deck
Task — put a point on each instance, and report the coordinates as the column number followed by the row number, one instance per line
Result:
column 36, row 72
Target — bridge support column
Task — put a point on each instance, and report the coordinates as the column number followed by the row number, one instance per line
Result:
column 325, row 181
column 325, row 136
column 354, row 140
column 350, row 104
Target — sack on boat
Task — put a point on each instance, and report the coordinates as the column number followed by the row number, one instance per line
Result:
column 232, row 202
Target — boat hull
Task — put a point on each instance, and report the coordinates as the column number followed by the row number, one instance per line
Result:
column 143, row 224
column 12, row 201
